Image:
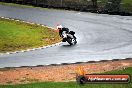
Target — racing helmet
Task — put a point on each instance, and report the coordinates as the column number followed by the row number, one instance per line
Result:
column 59, row 27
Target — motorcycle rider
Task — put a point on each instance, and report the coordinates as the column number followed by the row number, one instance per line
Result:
column 61, row 30
column 68, row 34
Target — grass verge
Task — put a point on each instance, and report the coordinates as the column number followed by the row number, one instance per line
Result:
column 74, row 84
column 19, row 5
column 27, row 6
column 18, row 35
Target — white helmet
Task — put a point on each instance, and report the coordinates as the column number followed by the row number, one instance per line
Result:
column 59, row 27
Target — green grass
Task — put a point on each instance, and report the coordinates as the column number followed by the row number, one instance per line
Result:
column 18, row 35
column 12, row 4
column 126, row 5
column 122, row 71
column 27, row 6
column 67, row 85
column 127, row 1
column 19, row 5
column 74, row 84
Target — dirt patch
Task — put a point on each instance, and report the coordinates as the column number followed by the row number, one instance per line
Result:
column 60, row 73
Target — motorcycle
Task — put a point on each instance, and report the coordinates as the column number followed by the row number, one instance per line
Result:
column 69, row 37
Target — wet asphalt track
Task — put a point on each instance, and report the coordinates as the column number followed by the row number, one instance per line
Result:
column 100, row 37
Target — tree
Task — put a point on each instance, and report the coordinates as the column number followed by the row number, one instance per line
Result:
column 113, row 5
column 94, row 4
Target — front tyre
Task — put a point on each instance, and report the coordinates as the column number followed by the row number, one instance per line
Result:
column 72, row 41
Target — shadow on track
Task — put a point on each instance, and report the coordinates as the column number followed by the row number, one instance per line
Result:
column 68, row 46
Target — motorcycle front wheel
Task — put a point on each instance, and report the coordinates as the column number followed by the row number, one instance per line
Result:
column 71, row 41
